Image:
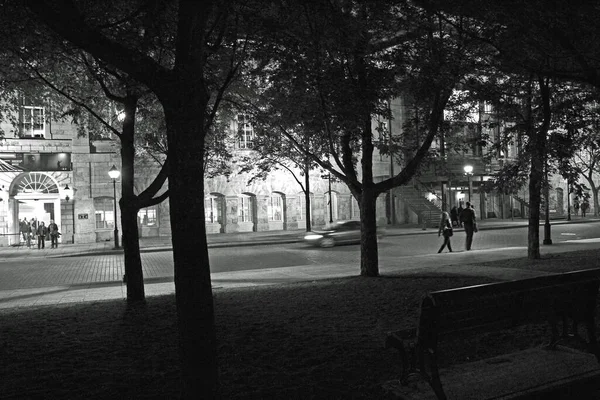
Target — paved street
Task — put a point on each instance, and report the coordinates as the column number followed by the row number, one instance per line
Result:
column 94, row 272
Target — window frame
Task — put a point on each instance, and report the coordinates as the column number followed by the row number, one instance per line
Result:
column 106, row 223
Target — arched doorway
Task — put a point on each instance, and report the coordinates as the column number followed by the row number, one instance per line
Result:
column 34, row 195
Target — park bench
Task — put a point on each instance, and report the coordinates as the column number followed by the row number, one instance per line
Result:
column 461, row 312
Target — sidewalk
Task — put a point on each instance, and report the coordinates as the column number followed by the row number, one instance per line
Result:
column 465, row 263
column 163, row 243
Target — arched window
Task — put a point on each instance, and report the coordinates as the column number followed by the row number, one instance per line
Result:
column 105, row 212
column 275, row 207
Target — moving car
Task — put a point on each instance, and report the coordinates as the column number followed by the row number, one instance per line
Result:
column 340, row 232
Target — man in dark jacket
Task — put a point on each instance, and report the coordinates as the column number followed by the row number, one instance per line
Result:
column 41, row 232
column 53, row 231
column 467, row 217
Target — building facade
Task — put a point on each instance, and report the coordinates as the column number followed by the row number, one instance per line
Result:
column 49, row 172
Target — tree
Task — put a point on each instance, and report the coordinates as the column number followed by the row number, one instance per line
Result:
column 330, row 75
column 189, row 81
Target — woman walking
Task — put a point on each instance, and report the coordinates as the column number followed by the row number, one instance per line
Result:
column 446, row 230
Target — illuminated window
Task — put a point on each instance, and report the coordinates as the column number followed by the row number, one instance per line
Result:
column 105, row 212
column 275, row 208
column 211, row 210
column 301, row 204
column 355, row 209
column 33, row 122
column 245, row 208
column 147, row 216
column 245, row 133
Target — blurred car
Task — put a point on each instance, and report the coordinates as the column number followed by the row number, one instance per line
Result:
column 340, row 232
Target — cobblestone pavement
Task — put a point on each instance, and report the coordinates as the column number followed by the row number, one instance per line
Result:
column 94, row 272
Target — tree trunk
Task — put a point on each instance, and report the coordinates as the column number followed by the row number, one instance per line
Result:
column 134, row 274
column 193, row 290
column 369, row 253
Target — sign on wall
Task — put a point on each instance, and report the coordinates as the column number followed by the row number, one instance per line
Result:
column 82, row 216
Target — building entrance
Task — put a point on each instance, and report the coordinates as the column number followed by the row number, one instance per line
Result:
column 34, row 195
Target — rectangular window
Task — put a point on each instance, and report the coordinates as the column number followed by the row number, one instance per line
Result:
column 34, row 122
column 211, row 210
column 245, row 132
column 244, row 210
column 301, row 211
column 104, row 210
column 147, row 216
column 275, row 208
column 355, row 209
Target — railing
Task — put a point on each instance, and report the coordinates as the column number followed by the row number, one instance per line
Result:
column 429, row 195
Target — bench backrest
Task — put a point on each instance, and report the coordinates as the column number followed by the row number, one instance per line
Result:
column 507, row 304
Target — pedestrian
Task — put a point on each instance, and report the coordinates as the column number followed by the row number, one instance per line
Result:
column 584, row 207
column 460, row 210
column 29, row 234
column 467, row 217
column 454, row 216
column 42, row 231
column 446, row 230
column 23, row 228
column 53, row 231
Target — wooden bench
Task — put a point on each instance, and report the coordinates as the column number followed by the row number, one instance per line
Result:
column 490, row 307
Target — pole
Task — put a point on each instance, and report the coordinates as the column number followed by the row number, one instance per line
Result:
column 469, row 180
column 547, row 228
column 330, row 202
column 73, row 209
column 568, row 201
column 116, row 228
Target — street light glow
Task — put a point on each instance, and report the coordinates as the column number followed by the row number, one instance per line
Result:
column 114, row 173
column 468, row 169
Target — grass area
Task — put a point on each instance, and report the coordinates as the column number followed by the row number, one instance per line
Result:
column 318, row 340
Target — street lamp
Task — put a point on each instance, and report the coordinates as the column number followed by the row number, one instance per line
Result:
column 568, row 200
column 469, row 172
column 114, row 174
column 70, row 194
column 328, row 177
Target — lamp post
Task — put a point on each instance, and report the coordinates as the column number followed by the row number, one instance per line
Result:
column 114, row 174
column 568, row 200
column 469, row 172
column 328, row 177
column 547, row 228
column 70, row 194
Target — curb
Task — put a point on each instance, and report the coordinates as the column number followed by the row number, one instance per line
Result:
column 274, row 240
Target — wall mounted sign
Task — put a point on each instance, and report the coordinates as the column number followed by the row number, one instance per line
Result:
column 82, row 216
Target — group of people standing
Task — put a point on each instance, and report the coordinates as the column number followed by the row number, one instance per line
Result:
column 458, row 217
column 35, row 228
column 585, row 206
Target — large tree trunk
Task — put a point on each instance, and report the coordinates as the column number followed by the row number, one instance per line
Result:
column 193, row 290
column 134, row 275
column 369, row 252
column 537, row 147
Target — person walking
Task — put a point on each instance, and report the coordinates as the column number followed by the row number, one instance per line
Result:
column 23, row 228
column 53, row 231
column 459, row 216
column 454, row 216
column 467, row 217
column 446, row 230
column 42, row 231
column 584, row 207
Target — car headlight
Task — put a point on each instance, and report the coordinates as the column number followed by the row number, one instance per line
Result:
column 313, row 237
